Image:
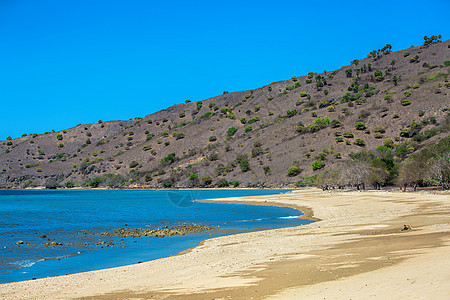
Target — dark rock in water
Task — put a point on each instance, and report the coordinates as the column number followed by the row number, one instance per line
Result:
column 157, row 232
column 19, row 242
column 43, row 236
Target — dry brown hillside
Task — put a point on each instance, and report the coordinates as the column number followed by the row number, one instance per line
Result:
column 315, row 119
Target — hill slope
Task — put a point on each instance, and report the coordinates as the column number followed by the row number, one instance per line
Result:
column 317, row 120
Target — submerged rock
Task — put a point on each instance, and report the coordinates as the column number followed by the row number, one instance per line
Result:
column 157, row 232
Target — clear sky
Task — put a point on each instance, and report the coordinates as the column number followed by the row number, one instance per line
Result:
column 69, row 62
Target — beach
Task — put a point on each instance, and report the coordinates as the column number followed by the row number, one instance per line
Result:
column 358, row 248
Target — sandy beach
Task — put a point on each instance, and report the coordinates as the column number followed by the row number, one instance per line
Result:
column 357, row 249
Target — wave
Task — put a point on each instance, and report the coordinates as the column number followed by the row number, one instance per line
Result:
column 28, row 263
column 289, row 217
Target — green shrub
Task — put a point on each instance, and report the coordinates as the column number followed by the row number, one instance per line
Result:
column 193, row 176
column 360, row 126
column 146, row 148
column 149, row 137
column 243, row 120
column 133, row 164
column 254, row 120
column 235, row 183
column 223, row 183
column 293, row 171
column 170, row 158
column 322, row 122
column 248, row 128
column 335, row 123
column 318, row 164
column 59, row 137
column 199, row 105
column 360, row 142
column 270, row 98
column 212, row 138
column 348, row 134
column 231, row 131
column 388, row 143
column 405, row 102
column 178, row 135
column 291, row 113
column 405, row 132
column 205, row 180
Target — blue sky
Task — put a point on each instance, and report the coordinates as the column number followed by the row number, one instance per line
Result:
column 64, row 63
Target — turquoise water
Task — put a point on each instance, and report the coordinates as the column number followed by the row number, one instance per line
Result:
column 60, row 215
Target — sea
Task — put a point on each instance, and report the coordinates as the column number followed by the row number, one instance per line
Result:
column 31, row 220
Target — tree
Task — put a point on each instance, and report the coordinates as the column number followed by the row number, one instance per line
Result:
column 414, row 170
column 355, row 62
column 439, row 170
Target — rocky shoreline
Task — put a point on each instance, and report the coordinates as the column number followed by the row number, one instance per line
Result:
column 158, row 232
column 122, row 233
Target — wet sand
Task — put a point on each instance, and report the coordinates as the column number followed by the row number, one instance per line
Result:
column 356, row 250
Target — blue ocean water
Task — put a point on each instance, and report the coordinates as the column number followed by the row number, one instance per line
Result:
column 60, row 215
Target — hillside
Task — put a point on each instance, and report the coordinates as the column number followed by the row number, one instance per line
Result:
column 252, row 138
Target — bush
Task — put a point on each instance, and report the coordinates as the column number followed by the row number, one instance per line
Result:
column 339, row 139
column 59, row 137
column 95, row 182
column 318, row 164
column 360, row 142
column 291, row 113
column 331, row 108
column 405, row 102
column 223, row 183
column 205, row 180
column 235, row 183
column 293, row 171
column 193, row 176
column 212, row 138
column 388, row 142
column 170, row 158
column 360, row 126
column 405, row 132
column 178, row 135
column 380, row 129
column 335, row 123
column 348, row 134
column 231, row 131
column 248, row 128
column 378, row 135
column 199, row 105
column 133, row 164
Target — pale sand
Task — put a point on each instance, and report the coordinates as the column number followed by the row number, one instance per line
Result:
column 357, row 250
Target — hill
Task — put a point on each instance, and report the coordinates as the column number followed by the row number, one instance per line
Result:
column 322, row 128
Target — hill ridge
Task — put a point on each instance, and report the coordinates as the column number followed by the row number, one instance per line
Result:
column 279, row 135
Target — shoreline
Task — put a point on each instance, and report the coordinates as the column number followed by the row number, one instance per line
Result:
column 337, row 254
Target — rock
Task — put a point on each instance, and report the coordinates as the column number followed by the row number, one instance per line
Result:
column 406, row 227
column 19, row 242
column 43, row 236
